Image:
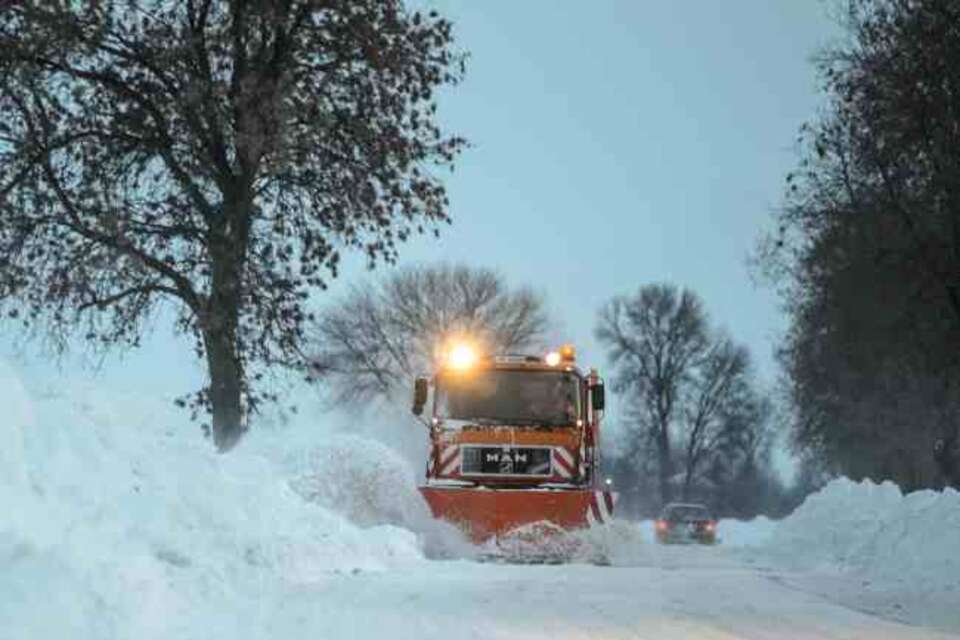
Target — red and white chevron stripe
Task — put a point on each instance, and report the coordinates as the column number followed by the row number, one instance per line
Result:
column 563, row 463
column 449, row 460
column 600, row 511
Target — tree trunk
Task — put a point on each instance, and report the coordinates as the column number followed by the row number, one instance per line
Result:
column 687, row 482
column 664, row 465
column 228, row 242
column 220, row 339
column 226, row 387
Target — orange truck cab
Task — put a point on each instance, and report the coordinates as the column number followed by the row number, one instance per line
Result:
column 514, row 441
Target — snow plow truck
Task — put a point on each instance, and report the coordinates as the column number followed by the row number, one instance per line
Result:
column 514, row 446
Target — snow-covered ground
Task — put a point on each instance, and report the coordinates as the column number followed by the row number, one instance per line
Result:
column 871, row 547
column 119, row 522
column 876, row 530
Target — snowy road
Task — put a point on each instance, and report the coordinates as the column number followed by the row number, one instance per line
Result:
column 687, row 593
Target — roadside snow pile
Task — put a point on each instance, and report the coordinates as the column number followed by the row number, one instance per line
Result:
column 875, row 529
column 119, row 522
column 370, row 484
column 746, row 533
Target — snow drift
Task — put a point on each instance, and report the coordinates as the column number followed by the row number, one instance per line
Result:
column 745, row 533
column 119, row 522
column 877, row 530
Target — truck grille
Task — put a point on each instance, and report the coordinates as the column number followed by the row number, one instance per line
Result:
column 506, row 461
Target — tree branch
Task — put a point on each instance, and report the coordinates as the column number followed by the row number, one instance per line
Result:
column 162, row 127
column 103, row 303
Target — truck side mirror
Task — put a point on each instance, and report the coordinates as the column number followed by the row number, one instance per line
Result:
column 597, row 396
column 419, row 395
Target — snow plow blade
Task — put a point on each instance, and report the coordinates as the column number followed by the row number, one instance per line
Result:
column 501, row 515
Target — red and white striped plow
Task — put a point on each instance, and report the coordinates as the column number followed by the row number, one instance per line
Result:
column 563, row 463
column 600, row 510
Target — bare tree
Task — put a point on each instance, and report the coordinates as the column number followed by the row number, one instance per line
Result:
column 687, row 387
column 718, row 399
column 373, row 342
column 215, row 155
column 654, row 338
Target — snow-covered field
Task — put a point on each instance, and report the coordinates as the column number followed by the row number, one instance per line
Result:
column 119, row 522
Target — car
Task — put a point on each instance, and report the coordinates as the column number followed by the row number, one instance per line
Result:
column 686, row 523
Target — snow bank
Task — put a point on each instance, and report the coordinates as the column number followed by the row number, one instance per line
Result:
column 874, row 529
column 14, row 484
column 119, row 522
column 745, row 533
column 371, row 484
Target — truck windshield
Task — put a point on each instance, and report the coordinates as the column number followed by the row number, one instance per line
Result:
column 534, row 398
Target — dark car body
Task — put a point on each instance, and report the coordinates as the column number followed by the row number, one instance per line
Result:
column 686, row 523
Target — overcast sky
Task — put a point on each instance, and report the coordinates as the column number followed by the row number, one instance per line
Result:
column 615, row 143
column 636, row 142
